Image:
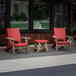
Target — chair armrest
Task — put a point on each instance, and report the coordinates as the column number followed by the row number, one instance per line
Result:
column 26, row 37
column 10, row 39
column 70, row 37
column 55, row 37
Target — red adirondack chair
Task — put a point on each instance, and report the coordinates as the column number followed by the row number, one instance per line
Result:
column 60, row 38
column 14, row 40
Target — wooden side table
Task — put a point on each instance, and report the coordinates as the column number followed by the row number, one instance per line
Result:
column 41, row 44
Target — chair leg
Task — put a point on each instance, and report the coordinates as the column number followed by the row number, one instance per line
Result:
column 38, row 47
column 46, row 47
column 13, row 48
column 56, row 47
column 7, row 48
column 35, row 47
column 54, row 44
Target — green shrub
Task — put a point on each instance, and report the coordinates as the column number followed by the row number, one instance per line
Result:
column 15, row 16
column 23, row 16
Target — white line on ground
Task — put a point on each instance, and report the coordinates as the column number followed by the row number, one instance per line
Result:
column 38, row 62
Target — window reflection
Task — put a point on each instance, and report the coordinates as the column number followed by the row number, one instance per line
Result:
column 19, row 14
column 60, row 15
column 41, row 15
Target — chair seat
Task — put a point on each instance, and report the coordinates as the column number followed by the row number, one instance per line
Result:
column 41, row 41
column 63, row 42
column 21, row 44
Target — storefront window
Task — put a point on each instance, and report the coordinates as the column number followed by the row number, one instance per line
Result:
column 41, row 15
column 61, row 15
column 19, row 14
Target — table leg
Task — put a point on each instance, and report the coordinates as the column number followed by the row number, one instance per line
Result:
column 46, row 47
column 38, row 47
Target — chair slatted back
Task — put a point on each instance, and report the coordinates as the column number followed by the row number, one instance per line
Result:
column 60, row 33
column 13, row 33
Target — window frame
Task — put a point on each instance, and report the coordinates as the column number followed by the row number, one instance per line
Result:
column 31, row 30
column 31, row 21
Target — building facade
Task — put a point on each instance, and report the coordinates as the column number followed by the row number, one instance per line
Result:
column 35, row 18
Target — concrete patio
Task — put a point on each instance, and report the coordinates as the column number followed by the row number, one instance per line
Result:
column 22, row 54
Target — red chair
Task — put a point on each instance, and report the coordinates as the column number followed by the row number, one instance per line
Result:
column 60, row 38
column 14, row 40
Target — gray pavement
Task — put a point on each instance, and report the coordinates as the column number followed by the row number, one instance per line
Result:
column 22, row 54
